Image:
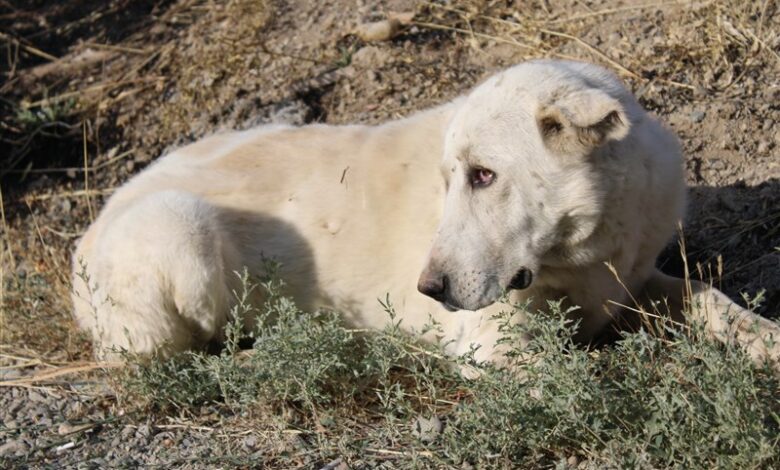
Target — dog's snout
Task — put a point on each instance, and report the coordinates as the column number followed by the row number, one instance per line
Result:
column 522, row 279
column 434, row 286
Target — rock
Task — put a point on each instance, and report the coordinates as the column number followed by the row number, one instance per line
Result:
column 250, row 442
column 379, row 30
column 370, row 57
column 144, row 431
column 337, row 464
column 127, row 432
column 67, row 428
column 40, row 412
column 697, row 116
column 427, row 429
column 10, row 374
column 13, row 447
column 22, row 269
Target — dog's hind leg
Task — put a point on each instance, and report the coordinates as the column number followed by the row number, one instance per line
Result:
column 153, row 276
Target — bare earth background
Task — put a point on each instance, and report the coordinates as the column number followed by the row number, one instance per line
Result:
column 93, row 91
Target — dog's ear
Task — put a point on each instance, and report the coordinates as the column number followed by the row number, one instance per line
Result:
column 581, row 120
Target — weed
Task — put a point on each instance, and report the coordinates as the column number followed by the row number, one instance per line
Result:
column 34, row 118
column 682, row 401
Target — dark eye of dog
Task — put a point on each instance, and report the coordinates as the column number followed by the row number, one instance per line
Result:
column 481, row 177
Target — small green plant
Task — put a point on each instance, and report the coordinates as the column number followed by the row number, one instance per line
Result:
column 681, row 401
column 299, row 358
column 645, row 402
column 33, row 118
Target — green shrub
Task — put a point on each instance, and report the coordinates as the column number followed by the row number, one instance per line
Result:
column 679, row 401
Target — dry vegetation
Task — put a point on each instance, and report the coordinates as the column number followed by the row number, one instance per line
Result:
column 94, row 90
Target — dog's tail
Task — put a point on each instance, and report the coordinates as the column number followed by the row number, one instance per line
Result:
column 151, row 276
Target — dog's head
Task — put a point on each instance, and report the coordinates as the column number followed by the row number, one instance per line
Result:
column 522, row 184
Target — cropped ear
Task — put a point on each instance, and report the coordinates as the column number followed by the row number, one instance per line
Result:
column 582, row 120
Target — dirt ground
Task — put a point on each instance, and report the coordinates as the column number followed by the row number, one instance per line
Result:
column 93, row 91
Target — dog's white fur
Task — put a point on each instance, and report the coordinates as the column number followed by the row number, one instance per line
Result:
column 583, row 177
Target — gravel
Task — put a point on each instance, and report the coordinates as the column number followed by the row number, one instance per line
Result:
column 57, row 427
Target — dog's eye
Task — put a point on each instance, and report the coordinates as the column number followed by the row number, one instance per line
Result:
column 481, row 177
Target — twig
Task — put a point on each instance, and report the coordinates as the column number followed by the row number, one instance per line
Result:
column 594, row 50
column 472, row 33
column 50, row 374
column 610, row 11
column 332, row 465
column 86, row 174
column 589, row 47
column 183, row 426
column 91, row 89
column 642, row 311
column 77, row 193
column 613, row 62
column 424, row 453
column 112, row 47
column 74, row 169
column 65, row 235
column 30, row 49
column 764, row 45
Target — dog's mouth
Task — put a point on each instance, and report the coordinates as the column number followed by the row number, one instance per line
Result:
column 521, row 280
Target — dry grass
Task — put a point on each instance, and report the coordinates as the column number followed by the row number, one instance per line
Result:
column 709, row 47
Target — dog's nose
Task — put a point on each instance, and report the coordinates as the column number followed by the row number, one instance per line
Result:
column 522, row 279
column 433, row 286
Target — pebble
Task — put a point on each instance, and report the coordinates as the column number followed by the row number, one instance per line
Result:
column 67, row 428
column 697, row 116
column 378, row 30
column 370, row 57
column 427, row 429
column 250, row 442
column 127, row 432
column 13, row 447
column 10, row 374
column 144, row 431
column 36, row 397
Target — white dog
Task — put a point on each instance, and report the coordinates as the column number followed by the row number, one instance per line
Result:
column 551, row 170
